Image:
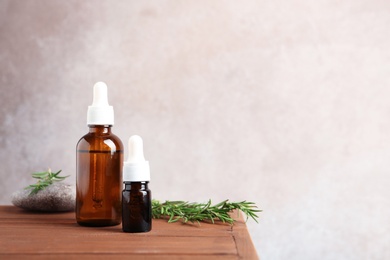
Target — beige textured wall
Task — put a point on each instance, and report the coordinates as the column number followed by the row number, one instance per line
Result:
column 284, row 103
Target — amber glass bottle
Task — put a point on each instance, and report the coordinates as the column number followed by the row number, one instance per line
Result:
column 136, row 197
column 99, row 178
column 99, row 166
column 137, row 207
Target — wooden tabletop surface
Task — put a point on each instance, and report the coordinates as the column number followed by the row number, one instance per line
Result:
column 27, row 235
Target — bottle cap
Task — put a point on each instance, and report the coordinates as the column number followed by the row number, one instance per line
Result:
column 100, row 113
column 136, row 168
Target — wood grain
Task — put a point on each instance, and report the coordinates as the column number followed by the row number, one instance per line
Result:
column 27, row 235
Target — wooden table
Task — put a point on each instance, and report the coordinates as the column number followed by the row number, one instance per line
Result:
column 26, row 235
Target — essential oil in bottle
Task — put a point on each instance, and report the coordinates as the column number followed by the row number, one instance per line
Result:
column 136, row 196
column 99, row 166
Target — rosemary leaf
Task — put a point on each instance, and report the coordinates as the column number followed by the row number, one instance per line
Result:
column 44, row 180
column 196, row 212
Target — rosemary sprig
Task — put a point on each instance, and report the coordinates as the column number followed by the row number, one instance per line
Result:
column 44, row 179
column 196, row 212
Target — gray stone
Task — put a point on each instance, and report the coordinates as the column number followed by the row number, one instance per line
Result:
column 54, row 198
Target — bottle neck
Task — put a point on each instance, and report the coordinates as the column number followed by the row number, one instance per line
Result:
column 142, row 185
column 100, row 129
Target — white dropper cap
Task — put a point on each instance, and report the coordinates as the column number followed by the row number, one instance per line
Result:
column 136, row 168
column 100, row 113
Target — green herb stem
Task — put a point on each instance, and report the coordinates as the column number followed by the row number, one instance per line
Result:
column 44, row 179
column 196, row 212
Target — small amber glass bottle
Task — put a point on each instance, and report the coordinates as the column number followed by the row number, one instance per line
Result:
column 136, row 197
column 99, row 167
column 137, row 207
